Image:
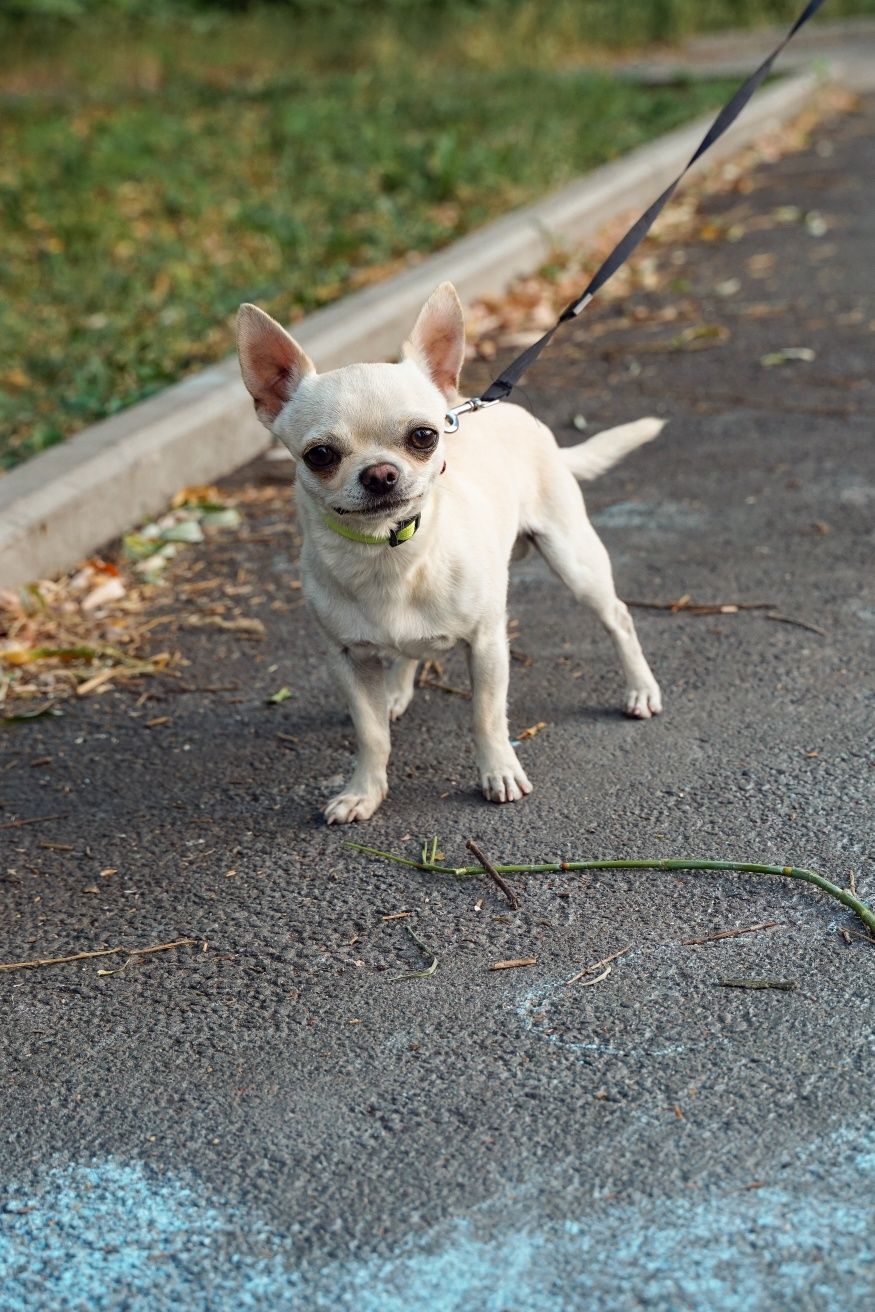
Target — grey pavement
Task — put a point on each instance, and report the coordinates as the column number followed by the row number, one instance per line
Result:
column 848, row 46
column 278, row 1122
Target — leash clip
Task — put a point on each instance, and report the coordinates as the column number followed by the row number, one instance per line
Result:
column 451, row 424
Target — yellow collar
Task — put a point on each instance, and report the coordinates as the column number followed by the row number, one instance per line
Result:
column 402, row 533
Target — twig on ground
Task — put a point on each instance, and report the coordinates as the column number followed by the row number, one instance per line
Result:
column 787, row 985
column 864, row 938
column 98, row 952
column 866, row 914
column 684, row 605
column 799, row 624
column 596, row 979
column 605, row 961
column 418, row 974
column 512, row 965
column 729, row 933
column 512, row 899
column 33, row 820
column 444, row 687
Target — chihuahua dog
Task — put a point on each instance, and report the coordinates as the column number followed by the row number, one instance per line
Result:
column 408, row 530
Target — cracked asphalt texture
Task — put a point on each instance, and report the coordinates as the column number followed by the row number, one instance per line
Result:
column 489, row 1139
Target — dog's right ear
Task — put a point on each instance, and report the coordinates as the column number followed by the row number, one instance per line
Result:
column 271, row 362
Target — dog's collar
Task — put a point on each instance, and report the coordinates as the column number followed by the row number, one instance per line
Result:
column 403, row 532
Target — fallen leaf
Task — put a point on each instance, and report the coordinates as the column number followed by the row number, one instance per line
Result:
column 50, row 708
column 277, row 698
column 700, row 337
column 532, row 730
column 787, row 355
column 246, row 627
column 113, row 589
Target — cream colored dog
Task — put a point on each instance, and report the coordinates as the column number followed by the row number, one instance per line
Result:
column 408, row 531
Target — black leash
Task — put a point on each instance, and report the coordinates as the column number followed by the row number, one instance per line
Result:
column 502, row 386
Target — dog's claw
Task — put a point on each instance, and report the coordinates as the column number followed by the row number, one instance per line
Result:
column 642, row 703
column 505, row 784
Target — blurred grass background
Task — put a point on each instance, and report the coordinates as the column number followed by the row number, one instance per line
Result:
column 160, row 162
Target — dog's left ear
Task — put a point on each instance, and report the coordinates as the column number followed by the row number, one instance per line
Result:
column 437, row 343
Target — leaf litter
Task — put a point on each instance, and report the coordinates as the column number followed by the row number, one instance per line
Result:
column 89, row 630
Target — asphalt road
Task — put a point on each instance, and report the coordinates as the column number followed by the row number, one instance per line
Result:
column 277, row 1122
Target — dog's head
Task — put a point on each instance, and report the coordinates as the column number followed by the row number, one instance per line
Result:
column 367, row 439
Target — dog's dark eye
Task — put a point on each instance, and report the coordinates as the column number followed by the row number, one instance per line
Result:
column 422, row 439
column 321, row 457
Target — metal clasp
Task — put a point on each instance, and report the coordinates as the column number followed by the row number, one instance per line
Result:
column 394, row 540
column 451, row 424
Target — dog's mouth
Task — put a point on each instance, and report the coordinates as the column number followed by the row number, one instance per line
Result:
column 382, row 507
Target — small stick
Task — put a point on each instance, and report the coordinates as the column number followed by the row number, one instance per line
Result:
column 788, row 985
column 605, row 961
column 597, row 979
column 684, row 605
column 512, row 899
column 511, row 965
column 444, row 687
column 702, row 607
column 423, row 947
column 852, row 934
column 728, row 933
column 99, row 952
column 33, row 820
column 799, row 624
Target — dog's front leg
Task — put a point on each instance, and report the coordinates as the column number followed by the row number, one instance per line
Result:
column 502, row 778
column 364, row 683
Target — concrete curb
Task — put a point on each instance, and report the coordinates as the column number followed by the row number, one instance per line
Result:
column 71, row 500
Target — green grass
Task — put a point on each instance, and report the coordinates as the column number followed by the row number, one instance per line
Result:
column 154, row 175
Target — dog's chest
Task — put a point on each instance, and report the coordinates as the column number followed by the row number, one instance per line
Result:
column 394, row 629
column 393, row 620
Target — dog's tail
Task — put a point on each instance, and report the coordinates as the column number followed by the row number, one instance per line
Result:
column 595, row 457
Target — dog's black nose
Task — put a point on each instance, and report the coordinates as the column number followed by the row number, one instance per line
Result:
column 380, row 479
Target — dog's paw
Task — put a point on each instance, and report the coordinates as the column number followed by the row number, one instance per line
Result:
column 642, row 703
column 504, row 781
column 400, row 685
column 353, row 805
column 399, row 699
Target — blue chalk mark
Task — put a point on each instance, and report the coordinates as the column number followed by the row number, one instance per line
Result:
column 113, row 1236
column 534, row 1012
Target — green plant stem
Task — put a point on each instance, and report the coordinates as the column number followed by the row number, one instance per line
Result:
column 843, row 895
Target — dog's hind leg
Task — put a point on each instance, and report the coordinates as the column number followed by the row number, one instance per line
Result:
column 364, row 683
column 575, row 552
column 400, row 684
